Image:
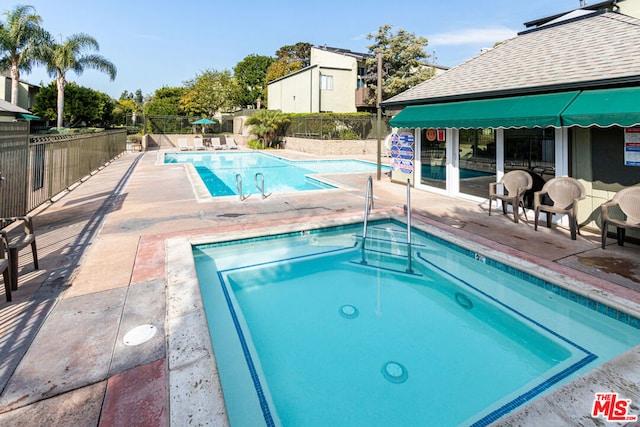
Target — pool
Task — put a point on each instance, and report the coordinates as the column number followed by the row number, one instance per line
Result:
column 439, row 173
column 305, row 333
column 218, row 171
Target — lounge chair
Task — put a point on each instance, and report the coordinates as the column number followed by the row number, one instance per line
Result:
column 216, row 144
column 628, row 201
column 18, row 242
column 183, row 145
column 198, row 144
column 4, row 263
column 231, row 143
column 563, row 193
column 515, row 184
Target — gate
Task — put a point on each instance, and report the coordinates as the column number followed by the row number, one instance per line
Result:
column 14, row 163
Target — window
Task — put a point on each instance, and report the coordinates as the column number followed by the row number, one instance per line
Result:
column 530, row 149
column 477, row 161
column 326, row 82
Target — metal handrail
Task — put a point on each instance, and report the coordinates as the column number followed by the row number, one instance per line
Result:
column 260, row 187
column 239, row 187
column 368, row 206
column 409, row 268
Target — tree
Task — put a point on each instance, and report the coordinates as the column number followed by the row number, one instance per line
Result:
column 124, row 108
column 72, row 55
column 268, row 123
column 299, row 52
column 210, row 92
column 165, row 102
column 83, row 106
column 403, row 58
column 251, row 75
column 137, row 97
column 21, row 40
column 290, row 59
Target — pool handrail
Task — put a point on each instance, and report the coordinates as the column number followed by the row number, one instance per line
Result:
column 409, row 267
column 368, row 206
column 239, row 187
column 260, row 187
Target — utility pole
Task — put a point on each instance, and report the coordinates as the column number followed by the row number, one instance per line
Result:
column 379, row 101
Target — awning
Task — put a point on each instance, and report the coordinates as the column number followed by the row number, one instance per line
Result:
column 514, row 112
column 28, row 116
column 604, row 108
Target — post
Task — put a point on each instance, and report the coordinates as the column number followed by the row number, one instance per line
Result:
column 379, row 101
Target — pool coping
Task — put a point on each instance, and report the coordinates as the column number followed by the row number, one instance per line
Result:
column 195, row 392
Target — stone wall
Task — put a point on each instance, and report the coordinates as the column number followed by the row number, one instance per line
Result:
column 332, row 146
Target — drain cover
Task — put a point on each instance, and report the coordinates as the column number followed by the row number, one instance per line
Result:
column 395, row 372
column 348, row 311
column 139, row 334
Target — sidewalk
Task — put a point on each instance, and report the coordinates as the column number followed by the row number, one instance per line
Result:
column 102, row 272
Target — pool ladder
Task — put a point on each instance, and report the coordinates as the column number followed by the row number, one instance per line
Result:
column 259, row 186
column 369, row 206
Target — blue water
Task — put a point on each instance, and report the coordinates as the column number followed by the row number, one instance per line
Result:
column 218, row 171
column 305, row 334
column 439, row 173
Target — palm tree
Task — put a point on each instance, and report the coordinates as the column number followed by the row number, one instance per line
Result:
column 21, row 40
column 71, row 56
column 267, row 123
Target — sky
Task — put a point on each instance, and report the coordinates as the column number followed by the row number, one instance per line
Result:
column 166, row 43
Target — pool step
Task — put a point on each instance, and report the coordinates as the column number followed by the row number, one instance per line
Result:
column 387, row 248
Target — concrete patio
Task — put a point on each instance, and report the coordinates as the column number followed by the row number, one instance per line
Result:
column 102, row 251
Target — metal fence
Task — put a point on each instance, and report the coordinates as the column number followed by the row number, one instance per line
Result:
column 57, row 162
column 34, row 169
column 14, row 163
column 335, row 126
column 182, row 125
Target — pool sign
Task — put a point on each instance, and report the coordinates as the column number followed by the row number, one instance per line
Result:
column 402, row 153
column 406, row 166
column 406, row 153
column 632, row 146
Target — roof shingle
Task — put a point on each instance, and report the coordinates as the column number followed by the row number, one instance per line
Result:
column 603, row 48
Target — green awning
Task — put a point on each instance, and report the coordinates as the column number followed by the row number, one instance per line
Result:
column 29, row 116
column 604, row 107
column 514, row 112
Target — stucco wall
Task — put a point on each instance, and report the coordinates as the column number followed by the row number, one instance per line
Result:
column 341, row 99
column 297, row 93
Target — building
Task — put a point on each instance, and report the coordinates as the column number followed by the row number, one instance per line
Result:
column 333, row 82
column 26, row 98
column 26, row 92
column 559, row 99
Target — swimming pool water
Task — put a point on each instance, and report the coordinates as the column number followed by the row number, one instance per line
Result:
column 218, row 171
column 439, row 173
column 318, row 338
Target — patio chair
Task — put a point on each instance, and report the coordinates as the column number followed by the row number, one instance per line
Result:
column 515, row 184
column 216, row 144
column 198, row 144
column 231, row 143
column 4, row 264
column 628, row 201
column 563, row 193
column 18, row 242
column 183, row 145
